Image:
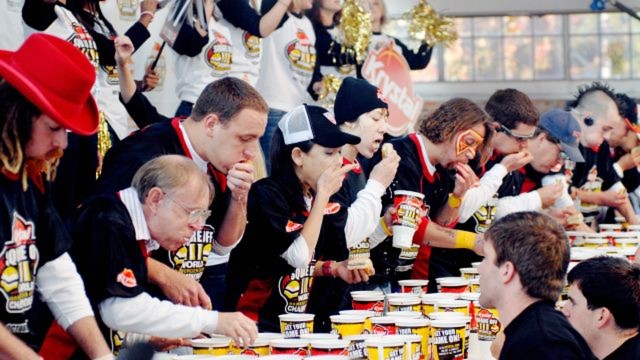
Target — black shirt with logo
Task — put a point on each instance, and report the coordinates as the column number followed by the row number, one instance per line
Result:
column 32, row 234
column 392, row 264
column 125, row 158
column 108, row 256
column 261, row 283
column 541, row 332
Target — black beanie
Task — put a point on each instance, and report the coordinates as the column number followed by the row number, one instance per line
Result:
column 356, row 97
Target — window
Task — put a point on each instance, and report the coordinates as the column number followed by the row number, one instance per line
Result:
column 528, row 48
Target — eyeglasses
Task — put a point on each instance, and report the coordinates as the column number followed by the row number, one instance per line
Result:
column 198, row 216
column 517, row 137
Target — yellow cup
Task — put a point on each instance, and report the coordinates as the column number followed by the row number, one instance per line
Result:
column 460, row 306
column 418, row 327
column 260, row 347
column 489, row 324
column 347, row 325
column 385, row 348
column 357, row 347
column 293, row 325
column 429, row 301
column 469, row 273
column 447, row 339
column 214, row 346
column 366, row 313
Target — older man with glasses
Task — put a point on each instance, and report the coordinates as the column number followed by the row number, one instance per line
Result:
column 114, row 234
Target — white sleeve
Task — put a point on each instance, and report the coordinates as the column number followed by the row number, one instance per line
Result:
column 298, row 254
column 524, row 202
column 565, row 199
column 616, row 187
column 224, row 250
column 364, row 213
column 61, row 287
column 144, row 314
column 377, row 236
column 474, row 198
column 618, row 169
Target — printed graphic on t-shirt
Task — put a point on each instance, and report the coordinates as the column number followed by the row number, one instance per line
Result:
column 218, row 54
column 127, row 9
column 295, row 287
column 83, row 41
column 117, row 339
column 192, row 258
column 18, row 266
column 593, row 184
column 485, row 215
column 111, row 74
column 301, row 53
column 251, row 45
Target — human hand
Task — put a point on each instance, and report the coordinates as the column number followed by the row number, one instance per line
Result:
column 238, row 327
column 465, row 179
column 517, row 160
column 549, row 194
column 331, row 179
column 385, row 171
column 124, row 49
column 239, row 180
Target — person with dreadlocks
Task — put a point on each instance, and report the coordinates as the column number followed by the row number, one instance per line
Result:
column 594, row 182
column 39, row 101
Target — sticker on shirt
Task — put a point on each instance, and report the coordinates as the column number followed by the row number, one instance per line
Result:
column 294, row 288
column 485, row 215
column 127, row 9
column 218, row 55
column 331, row 208
column 127, row 278
column 361, row 251
column 593, row 184
column 18, row 266
column 291, row 226
column 191, row 259
column 301, row 54
column 110, row 74
column 251, row 44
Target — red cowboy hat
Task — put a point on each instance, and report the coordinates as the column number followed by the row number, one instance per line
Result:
column 57, row 78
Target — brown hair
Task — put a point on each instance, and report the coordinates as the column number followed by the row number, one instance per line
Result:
column 454, row 116
column 226, row 98
column 510, row 107
column 538, row 248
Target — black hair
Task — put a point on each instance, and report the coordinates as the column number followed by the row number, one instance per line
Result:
column 613, row 283
column 588, row 89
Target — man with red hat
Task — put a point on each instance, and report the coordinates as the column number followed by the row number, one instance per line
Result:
column 39, row 101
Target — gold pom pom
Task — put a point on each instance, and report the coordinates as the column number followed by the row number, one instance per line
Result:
column 328, row 90
column 355, row 30
column 427, row 26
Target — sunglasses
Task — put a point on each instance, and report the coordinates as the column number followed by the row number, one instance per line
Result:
column 517, row 137
column 198, row 216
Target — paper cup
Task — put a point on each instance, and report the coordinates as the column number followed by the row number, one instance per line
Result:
column 294, row 325
column 454, row 285
column 469, row 273
column 260, row 347
column 213, row 346
column 610, row 227
column 414, row 286
column 282, row 357
column 329, row 347
column 474, row 285
column 596, row 240
column 404, row 304
column 298, row 347
column 372, row 302
column 319, row 336
column 347, row 325
column 418, row 327
column 327, row 357
column 447, row 339
column 238, row 357
column 405, row 314
column 385, row 348
column 488, row 324
column 193, row 357
column 476, row 264
column 408, row 205
column 383, row 325
column 627, row 242
column 357, row 348
column 429, row 301
column 412, row 346
column 367, row 314
column 633, row 228
column 460, row 306
column 455, row 316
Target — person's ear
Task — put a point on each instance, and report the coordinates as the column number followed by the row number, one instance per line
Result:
column 602, row 317
column 153, row 198
column 297, row 156
column 211, row 122
column 507, row 272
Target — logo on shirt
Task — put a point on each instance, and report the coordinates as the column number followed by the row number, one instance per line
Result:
column 593, row 184
column 111, row 74
column 291, row 226
column 18, row 266
column 191, row 259
column 127, row 278
column 301, row 54
column 218, row 54
column 485, row 215
column 251, row 45
column 83, row 41
column 331, row 208
column 294, row 288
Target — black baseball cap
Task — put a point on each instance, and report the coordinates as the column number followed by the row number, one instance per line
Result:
column 564, row 127
column 309, row 122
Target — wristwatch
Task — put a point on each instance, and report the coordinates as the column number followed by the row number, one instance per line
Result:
column 454, row 201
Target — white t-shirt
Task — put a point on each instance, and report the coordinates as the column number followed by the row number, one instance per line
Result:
column 11, row 31
column 246, row 54
column 289, row 57
column 212, row 63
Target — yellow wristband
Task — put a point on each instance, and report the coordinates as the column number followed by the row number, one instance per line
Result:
column 465, row 240
column 384, row 227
